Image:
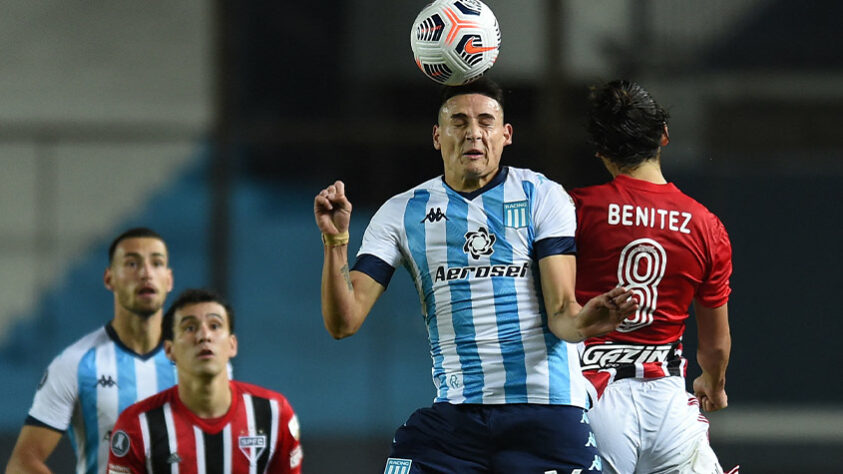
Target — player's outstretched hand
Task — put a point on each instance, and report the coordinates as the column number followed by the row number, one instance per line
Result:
column 605, row 312
column 332, row 209
column 711, row 398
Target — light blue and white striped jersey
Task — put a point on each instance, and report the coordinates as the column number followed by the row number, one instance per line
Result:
column 87, row 386
column 474, row 259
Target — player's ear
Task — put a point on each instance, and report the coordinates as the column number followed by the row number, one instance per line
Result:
column 168, row 350
column 169, row 280
column 106, row 279
column 665, row 138
column 436, row 144
column 507, row 133
column 232, row 339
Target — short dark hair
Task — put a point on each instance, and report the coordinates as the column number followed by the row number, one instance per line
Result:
column 483, row 86
column 135, row 232
column 188, row 297
column 625, row 122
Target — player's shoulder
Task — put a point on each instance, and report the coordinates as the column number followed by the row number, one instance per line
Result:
column 258, row 391
column 72, row 354
column 397, row 204
column 527, row 175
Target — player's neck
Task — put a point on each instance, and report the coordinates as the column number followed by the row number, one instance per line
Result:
column 138, row 333
column 650, row 171
column 467, row 184
column 206, row 398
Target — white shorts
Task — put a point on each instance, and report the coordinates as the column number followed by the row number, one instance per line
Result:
column 652, row 427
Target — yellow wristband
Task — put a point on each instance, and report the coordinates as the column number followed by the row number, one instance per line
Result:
column 335, row 240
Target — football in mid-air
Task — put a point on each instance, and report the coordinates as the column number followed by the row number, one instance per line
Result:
column 455, row 41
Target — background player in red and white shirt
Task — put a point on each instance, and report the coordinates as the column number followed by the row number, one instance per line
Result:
column 640, row 232
column 207, row 423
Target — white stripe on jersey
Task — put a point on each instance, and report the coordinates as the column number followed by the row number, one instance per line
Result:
column 274, row 409
column 147, row 449
column 250, row 424
column 226, row 449
column 199, row 438
column 145, row 370
column 172, row 439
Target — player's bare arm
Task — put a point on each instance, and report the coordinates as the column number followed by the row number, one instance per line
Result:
column 34, row 445
column 347, row 296
column 714, row 345
column 566, row 318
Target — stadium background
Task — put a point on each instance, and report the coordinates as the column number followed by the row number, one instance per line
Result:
column 216, row 122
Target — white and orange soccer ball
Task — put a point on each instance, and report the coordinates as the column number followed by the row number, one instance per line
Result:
column 455, row 41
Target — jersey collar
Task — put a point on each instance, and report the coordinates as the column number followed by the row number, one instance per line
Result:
column 499, row 178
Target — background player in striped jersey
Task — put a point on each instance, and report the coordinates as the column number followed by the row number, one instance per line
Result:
column 641, row 232
column 491, row 251
column 94, row 379
column 208, row 422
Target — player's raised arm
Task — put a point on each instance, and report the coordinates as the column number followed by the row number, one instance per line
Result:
column 566, row 318
column 347, row 297
column 714, row 346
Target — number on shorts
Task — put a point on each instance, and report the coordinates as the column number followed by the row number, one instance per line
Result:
column 641, row 268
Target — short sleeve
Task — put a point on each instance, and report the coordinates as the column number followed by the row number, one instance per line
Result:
column 56, row 395
column 383, row 235
column 714, row 290
column 554, row 212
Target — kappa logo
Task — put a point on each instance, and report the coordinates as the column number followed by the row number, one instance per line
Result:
column 479, row 243
column 106, row 381
column 435, row 215
column 174, row 458
column 252, row 447
column 397, row 466
column 120, row 443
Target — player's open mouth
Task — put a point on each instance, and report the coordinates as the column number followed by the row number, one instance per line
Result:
column 147, row 291
column 473, row 154
column 205, row 354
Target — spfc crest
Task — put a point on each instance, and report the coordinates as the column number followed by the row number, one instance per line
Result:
column 252, row 447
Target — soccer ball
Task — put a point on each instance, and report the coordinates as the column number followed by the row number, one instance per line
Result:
column 455, row 41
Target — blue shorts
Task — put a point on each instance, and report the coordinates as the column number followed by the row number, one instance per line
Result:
column 511, row 438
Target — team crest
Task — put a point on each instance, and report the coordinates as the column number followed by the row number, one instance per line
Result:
column 516, row 215
column 479, row 243
column 252, row 447
column 120, row 443
column 397, row 466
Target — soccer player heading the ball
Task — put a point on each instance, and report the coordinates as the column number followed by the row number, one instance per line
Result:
column 639, row 231
column 206, row 423
column 491, row 251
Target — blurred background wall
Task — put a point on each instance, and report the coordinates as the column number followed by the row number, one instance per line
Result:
column 216, row 122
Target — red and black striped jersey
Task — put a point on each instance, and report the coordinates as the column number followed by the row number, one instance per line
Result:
column 669, row 250
column 259, row 434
